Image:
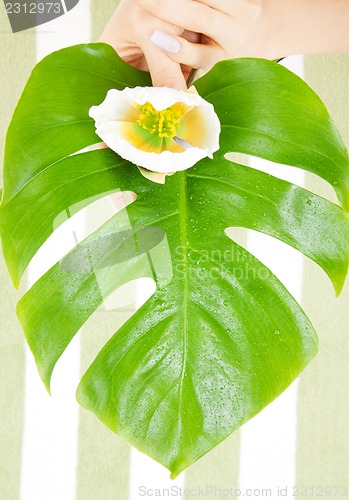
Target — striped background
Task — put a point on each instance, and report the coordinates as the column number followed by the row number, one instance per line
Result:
column 50, row 449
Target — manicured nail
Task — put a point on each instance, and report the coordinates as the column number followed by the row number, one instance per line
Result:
column 165, row 42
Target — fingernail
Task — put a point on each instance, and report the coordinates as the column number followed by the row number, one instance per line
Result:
column 165, row 42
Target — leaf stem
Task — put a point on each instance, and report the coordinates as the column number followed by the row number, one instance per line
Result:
column 191, row 77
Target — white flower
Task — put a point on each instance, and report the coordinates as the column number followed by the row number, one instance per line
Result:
column 158, row 128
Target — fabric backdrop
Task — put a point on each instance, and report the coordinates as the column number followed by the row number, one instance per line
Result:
column 50, row 449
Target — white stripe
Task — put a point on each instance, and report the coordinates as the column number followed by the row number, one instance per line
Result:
column 146, row 475
column 268, row 441
column 69, row 29
column 51, row 424
column 50, row 435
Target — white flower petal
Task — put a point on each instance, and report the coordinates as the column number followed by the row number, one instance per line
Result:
column 162, row 97
column 115, row 107
column 124, row 106
column 164, row 162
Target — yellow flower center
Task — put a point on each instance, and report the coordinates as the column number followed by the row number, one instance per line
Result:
column 163, row 123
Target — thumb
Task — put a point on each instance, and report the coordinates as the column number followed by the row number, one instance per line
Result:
column 164, row 71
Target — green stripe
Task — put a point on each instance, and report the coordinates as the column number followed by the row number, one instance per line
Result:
column 101, row 12
column 323, row 404
column 17, row 55
column 217, row 471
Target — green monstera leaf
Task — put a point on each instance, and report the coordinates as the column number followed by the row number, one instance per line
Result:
column 221, row 337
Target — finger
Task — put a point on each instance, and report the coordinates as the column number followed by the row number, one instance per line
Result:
column 190, row 15
column 190, row 36
column 195, row 55
column 186, row 70
column 222, row 5
column 163, row 70
column 235, row 8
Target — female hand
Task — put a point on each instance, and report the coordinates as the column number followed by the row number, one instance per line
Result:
column 249, row 28
column 129, row 31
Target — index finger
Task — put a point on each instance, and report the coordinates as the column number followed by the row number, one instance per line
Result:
column 163, row 70
column 190, row 15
